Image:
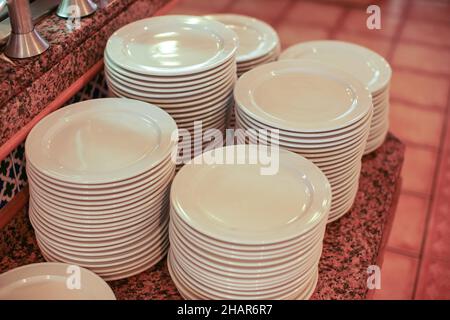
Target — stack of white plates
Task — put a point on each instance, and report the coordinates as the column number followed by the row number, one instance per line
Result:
column 321, row 113
column 367, row 66
column 258, row 41
column 99, row 174
column 258, row 44
column 236, row 233
column 49, row 281
column 183, row 64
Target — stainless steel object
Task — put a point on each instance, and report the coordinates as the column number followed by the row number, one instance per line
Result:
column 24, row 41
column 75, row 8
column 39, row 10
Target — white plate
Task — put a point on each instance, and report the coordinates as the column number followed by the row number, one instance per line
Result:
column 172, row 94
column 308, row 135
column 73, row 189
column 181, row 234
column 90, row 245
column 158, row 235
column 362, row 126
column 311, row 145
column 169, row 82
column 256, row 38
column 278, row 292
column 225, row 87
column 298, row 182
column 366, row 65
column 171, row 45
column 290, row 95
column 244, row 249
column 100, row 141
column 48, row 281
column 92, row 205
column 150, row 86
column 81, row 236
column 67, row 195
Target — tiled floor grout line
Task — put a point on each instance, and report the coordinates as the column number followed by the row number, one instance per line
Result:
column 415, row 194
column 389, row 57
column 423, row 146
column 402, row 252
column 397, row 35
column 339, row 24
column 290, row 4
column 432, row 196
column 411, row 104
column 420, row 71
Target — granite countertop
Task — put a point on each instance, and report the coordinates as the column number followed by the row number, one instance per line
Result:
column 351, row 244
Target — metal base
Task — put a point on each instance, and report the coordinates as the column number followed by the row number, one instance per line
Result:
column 75, row 8
column 25, row 45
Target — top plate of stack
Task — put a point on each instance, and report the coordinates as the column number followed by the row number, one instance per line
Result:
column 170, row 46
column 366, row 65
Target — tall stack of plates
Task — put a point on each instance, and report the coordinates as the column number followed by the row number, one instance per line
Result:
column 258, row 43
column 320, row 112
column 183, row 64
column 237, row 233
column 99, row 174
column 367, row 66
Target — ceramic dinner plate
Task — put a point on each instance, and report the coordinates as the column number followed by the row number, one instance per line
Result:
column 254, row 222
column 367, row 66
column 256, row 38
column 290, row 95
column 48, row 281
column 169, row 45
column 101, row 140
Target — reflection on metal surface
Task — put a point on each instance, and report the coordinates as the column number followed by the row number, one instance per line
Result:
column 75, row 8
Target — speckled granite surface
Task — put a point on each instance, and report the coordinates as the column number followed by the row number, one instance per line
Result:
column 351, row 244
column 28, row 85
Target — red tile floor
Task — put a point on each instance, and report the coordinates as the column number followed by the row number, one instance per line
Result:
column 415, row 39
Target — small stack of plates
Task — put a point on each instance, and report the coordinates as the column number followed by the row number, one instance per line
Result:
column 319, row 112
column 183, row 64
column 239, row 233
column 48, row 281
column 99, row 174
column 258, row 44
column 367, row 66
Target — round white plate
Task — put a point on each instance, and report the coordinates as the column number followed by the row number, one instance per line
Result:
column 290, row 95
column 298, row 186
column 171, row 45
column 100, row 141
column 48, row 281
column 169, row 82
column 256, row 38
column 366, row 65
